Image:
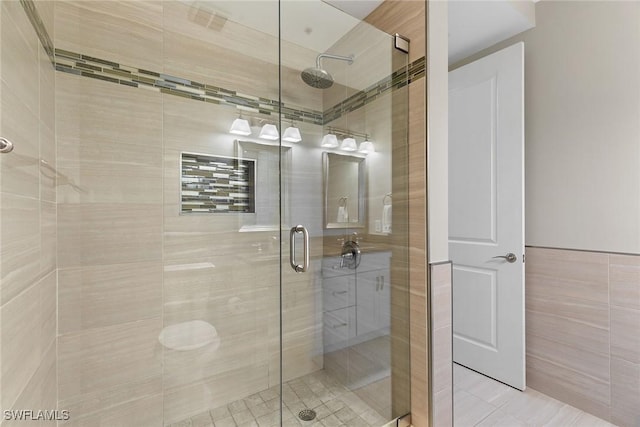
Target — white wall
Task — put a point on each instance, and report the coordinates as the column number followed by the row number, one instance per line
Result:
column 437, row 131
column 582, row 120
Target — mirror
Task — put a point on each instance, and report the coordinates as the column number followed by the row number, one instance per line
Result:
column 268, row 160
column 344, row 191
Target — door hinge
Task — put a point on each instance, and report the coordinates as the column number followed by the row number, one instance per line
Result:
column 401, row 43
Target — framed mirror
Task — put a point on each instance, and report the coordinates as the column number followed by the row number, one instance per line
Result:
column 344, row 190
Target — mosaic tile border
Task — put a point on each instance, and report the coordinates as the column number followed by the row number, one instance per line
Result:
column 395, row 81
column 96, row 68
column 34, row 17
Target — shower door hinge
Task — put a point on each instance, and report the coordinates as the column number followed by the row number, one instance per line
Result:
column 401, row 43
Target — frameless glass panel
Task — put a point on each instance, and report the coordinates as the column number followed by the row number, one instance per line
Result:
column 216, row 43
column 168, row 213
column 345, row 355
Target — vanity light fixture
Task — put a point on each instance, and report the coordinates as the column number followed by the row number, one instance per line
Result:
column 366, row 146
column 292, row 134
column 330, row 140
column 269, row 132
column 240, row 126
column 349, row 144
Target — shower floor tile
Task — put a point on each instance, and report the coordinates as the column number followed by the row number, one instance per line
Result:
column 334, row 404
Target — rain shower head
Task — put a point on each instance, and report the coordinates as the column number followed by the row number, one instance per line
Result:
column 318, row 77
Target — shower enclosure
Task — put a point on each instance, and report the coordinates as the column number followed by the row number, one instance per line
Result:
column 194, row 234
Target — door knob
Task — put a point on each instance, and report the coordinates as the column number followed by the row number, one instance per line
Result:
column 510, row 257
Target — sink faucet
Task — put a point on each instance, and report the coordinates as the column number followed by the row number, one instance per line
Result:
column 350, row 255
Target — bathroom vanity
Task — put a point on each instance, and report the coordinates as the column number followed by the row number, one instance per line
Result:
column 356, row 302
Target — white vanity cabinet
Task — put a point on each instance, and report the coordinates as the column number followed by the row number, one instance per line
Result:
column 356, row 303
column 373, row 301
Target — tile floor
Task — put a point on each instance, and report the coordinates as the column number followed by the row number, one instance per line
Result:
column 334, row 404
column 478, row 401
column 364, row 368
column 481, row 401
column 378, row 396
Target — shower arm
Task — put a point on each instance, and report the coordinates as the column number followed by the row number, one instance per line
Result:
column 348, row 59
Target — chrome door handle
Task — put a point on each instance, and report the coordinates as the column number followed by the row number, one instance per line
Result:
column 299, row 268
column 510, row 257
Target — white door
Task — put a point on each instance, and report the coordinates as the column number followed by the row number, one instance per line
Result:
column 486, row 214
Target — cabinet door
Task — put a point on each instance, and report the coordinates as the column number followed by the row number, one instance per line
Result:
column 338, row 328
column 366, row 306
column 338, row 292
column 383, row 301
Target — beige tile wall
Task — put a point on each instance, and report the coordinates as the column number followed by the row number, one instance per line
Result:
column 583, row 318
column 164, row 37
column 400, row 272
column 94, row 28
column 235, row 59
column 441, row 342
column 408, row 18
column 420, row 326
column 109, row 248
column 27, row 216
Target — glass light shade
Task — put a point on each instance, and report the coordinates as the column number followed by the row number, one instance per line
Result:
column 240, row 127
column 292, row 134
column 269, row 132
column 349, row 144
column 366, row 147
column 330, row 141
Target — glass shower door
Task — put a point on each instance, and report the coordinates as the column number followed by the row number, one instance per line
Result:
column 344, row 351
column 237, row 380
column 160, row 161
column 168, row 215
